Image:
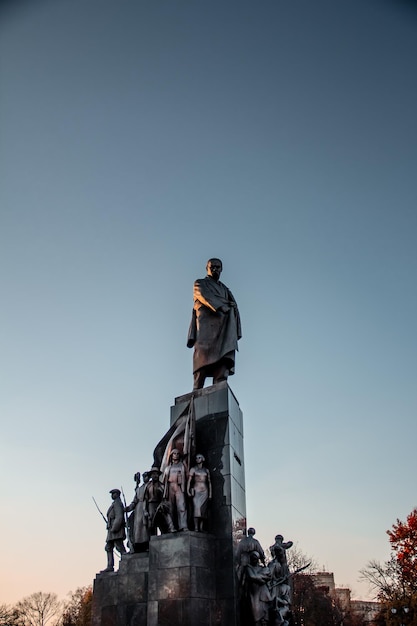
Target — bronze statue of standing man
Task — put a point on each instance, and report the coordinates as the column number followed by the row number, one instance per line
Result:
column 215, row 327
column 115, row 530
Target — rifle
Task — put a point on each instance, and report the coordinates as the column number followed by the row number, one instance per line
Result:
column 105, row 519
column 98, row 509
column 129, row 541
column 284, row 578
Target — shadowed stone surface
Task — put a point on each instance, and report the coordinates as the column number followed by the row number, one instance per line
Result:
column 120, row 598
column 182, row 581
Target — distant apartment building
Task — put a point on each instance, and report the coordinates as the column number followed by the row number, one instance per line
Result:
column 362, row 608
column 367, row 610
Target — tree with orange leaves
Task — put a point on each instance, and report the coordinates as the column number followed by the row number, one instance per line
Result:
column 403, row 540
column 395, row 581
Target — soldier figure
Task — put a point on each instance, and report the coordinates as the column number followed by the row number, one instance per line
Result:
column 157, row 515
column 115, row 530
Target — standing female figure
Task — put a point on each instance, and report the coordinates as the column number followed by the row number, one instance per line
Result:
column 199, row 489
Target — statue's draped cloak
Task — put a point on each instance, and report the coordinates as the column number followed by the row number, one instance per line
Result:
column 213, row 334
column 259, row 594
column 140, row 530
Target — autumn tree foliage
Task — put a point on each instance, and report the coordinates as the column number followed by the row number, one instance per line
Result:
column 77, row 611
column 403, row 540
column 396, row 578
column 395, row 581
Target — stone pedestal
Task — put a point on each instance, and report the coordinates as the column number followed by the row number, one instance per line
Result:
column 189, row 578
column 121, row 598
column 181, row 582
column 219, row 436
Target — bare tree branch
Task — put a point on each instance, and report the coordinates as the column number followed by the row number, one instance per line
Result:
column 39, row 609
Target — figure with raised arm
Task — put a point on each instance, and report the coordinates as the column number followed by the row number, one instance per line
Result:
column 280, row 584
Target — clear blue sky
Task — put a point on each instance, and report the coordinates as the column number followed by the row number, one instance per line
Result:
column 139, row 138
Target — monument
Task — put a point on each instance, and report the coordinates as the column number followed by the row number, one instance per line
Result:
column 190, row 562
column 215, row 327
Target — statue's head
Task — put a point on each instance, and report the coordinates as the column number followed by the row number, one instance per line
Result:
column 214, row 268
column 154, row 473
column 254, row 557
column 145, row 477
column 175, row 455
column 199, row 458
column 251, row 531
column 115, row 493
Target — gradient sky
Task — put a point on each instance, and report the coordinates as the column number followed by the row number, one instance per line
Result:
column 141, row 137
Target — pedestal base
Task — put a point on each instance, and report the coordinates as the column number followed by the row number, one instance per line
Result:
column 182, row 580
column 121, row 598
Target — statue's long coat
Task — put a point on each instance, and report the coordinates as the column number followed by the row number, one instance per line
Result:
column 115, row 521
column 213, row 334
column 140, row 529
column 258, row 593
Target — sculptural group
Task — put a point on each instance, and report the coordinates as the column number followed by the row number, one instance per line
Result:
column 265, row 589
column 163, row 502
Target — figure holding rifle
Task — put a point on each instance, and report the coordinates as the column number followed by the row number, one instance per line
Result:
column 115, row 530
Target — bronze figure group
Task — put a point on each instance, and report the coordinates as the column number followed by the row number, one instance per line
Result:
column 265, row 589
column 162, row 502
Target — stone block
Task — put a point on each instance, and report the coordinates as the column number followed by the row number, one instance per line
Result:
column 202, row 583
column 214, row 400
column 109, row 616
column 199, row 611
column 152, row 613
column 133, row 587
column 106, row 587
column 134, row 563
column 169, row 585
column 135, row 614
column 170, row 613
